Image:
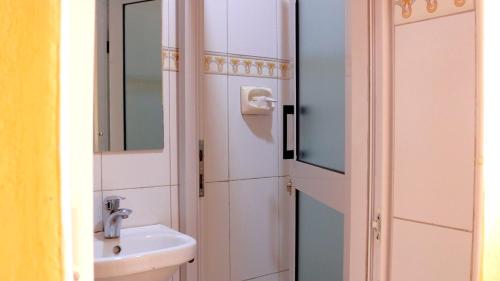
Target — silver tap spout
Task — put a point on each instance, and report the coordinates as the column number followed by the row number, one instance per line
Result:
column 114, row 216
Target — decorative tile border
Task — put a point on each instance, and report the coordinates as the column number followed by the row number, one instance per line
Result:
column 215, row 63
column 406, row 11
column 170, row 57
column 240, row 65
column 284, row 70
column 230, row 64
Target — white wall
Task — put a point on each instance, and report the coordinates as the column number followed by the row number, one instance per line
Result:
column 244, row 214
column 148, row 179
column 434, row 142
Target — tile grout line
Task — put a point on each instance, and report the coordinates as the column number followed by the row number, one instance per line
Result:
column 279, row 163
column 139, row 187
column 228, row 142
column 278, row 97
column 268, row 274
column 169, row 102
column 101, row 196
column 247, row 179
column 433, row 224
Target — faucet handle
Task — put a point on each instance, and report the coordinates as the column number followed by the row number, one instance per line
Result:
column 112, row 203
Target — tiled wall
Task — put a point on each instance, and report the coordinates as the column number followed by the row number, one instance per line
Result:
column 244, row 214
column 148, row 180
column 434, row 140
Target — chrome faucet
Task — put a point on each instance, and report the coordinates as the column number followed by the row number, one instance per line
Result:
column 113, row 216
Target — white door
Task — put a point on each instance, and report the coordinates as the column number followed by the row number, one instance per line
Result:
column 330, row 169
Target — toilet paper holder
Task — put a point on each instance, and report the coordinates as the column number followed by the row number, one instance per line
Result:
column 257, row 100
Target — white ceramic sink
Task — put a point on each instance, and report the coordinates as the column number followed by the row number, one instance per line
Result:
column 152, row 253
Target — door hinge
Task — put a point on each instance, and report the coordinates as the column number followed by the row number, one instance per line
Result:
column 201, row 192
column 377, row 226
column 289, row 186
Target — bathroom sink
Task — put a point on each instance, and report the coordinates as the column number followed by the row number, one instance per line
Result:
column 151, row 253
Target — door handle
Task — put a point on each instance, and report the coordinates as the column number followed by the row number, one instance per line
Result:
column 287, row 109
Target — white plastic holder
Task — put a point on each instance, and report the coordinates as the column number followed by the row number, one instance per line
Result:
column 257, row 101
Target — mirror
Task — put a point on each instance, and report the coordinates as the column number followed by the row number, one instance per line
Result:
column 129, row 76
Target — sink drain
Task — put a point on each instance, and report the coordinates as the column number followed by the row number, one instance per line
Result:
column 117, row 249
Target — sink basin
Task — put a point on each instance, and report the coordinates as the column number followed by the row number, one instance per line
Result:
column 151, row 253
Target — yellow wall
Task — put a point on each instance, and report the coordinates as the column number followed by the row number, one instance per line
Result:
column 30, row 226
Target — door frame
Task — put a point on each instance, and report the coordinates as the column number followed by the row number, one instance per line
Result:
column 190, row 32
column 76, row 84
column 363, row 189
column 382, row 88
column 355, row 187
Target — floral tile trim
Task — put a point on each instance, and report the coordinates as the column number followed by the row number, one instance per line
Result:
column 239, row 65
column 407, row 11
column 170, row 58
column 215, row 63
column 230, row 64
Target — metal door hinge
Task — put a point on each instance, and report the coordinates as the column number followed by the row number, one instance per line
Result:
column 377, row 227
column 289, row 186
column 201, row 192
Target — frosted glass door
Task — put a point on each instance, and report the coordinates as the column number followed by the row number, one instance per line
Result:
column 320, row 142
column 320, row 241
column 320, row 45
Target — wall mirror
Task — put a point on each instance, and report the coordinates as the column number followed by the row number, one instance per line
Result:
column 128, row 96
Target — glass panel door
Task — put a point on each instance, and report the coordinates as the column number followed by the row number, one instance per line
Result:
column 320, row 83
column 320, row 241
column 318, row 172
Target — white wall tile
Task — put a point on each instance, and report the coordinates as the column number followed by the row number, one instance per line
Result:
column 258, row 217
column 172, row 20
column 284, row 97
column 215, row 127
column 97, row 171
column 430, row 253
column 435, row 121
column 149, row 205
column 131, row 169
column 215, row 232
column 284, row 199
column 98, row 226
column 216, row 25
column 283, row 19
column 173, row 94
column 252, row 27
column 254, row 228
column 253, row 139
